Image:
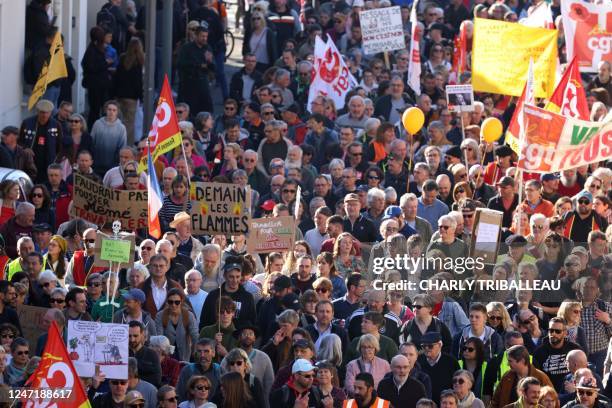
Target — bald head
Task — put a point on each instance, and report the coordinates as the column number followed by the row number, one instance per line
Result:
column 576, row 360
column 400, row 365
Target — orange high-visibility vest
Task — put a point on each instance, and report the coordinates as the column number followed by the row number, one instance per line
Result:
column 378, row 403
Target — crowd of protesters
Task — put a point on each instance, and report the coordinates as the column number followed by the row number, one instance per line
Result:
column 213, row 325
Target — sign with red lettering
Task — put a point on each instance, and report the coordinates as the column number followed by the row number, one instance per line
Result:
column 553, row 142
column 271, row 234
column 382, row 30
column 588, row 33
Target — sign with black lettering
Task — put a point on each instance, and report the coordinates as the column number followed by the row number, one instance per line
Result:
column 271, row 234
column 220, row 209
column 382, row 30
column 100, row 205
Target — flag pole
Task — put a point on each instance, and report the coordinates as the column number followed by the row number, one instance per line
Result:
column 186, row 163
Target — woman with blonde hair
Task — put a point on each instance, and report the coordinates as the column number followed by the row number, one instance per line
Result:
column 345, row 259
column 571, row 311
column 598, row 111
column 498, row 317
column 9, row 194
column 323, row 288
column 462, row 190
column 470, row 148
column 549, row 397
column 260, row 41
column 198, row 392
column 367, row 361
column 55, row 258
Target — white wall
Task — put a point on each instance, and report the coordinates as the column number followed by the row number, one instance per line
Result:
column 12, row 40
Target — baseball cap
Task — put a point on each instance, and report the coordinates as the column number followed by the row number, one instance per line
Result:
column 506, row 181
column 392, row 211
column 549, row 177
column 10, row 130
column 579, row 250
column 363, row 188
column 584, row 194
column 301, row 365
column 132, row 397
column 291, row 301
column 134, row 294
column 454, row 151
column 430, row 338
column 516, row 240
column 351, row 197
column 42, row 227
column 231, row 267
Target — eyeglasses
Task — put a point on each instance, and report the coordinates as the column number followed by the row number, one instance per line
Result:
column 289, row 191
column 237, row 363
column 584, row 201
column 576, row 311
column 556, row 331
column 60, row 301
column 469, row 350
column 588, row 393
column 444, row 227
column 428, row 346
column 171, row 399
column 202, row 388
column 374, row 177
column 307, row 376
column 495, row 318
column 321, row 290
column 267, row 113
column 94, row 284
column 37, row 195
column 174, row 302
column 118, row 382
column 249, row 160
column 180, row 111
column 229, row 108
column 148, row 248
column 458, row 381
column 23, row 352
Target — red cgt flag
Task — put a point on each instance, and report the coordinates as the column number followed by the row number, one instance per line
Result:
column 569, row 98
column 55, row 379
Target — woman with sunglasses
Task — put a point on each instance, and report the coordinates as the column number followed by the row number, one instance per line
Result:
column 461, row 191
column 8, row 333
column 498, row 318
column 373, row 177
column 571, row 310
column 323, row 289
column 425, row 322
column 166, row 397
column 57, row 298
column 178, row 324
column 81, row 140
column 463, row 383
column 469, row 148
column 102, row 310
column 40, row 197
column 237, row 361
column 552, row 256
column 260, row 41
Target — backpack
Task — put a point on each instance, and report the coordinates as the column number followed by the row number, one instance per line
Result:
column 107, row 20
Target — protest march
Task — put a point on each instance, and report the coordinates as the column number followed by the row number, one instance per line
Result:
column 308, row 204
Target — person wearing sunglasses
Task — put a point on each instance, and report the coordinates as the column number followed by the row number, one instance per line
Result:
column 302, row 390
column 472, row 360
column 222, row 330
column 199, row 390
column 583, row 219
column 82, row 262
column 587, row 393
column 116, row 396
column 141, row 393
column 463, row 382
column 20, row 356
column 493, row 343
column 424, row 322
column 166, row 397
column 177, row 322
column 237, row 361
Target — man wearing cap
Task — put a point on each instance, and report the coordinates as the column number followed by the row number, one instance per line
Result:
column 438, row 365
column 42, row 236
column 494, row 171
column 117, row 396
column 43, row 135
column 245, row 306
column 356, row 224
column 247, row 333
column 517, row 250
column 301, row 348
column 244, row 82
column 429, row 206
column 550, row 185
column 132, row 310
column 195, row 62
column 20, row 158
column 299, row 391
column 506, row 200
column 583, row 219
column 188, row 245
column 588, row 396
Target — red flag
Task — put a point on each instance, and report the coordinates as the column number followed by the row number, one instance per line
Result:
column 165, row 133
column 459, row 55
column 569, row 98
column 55, row 378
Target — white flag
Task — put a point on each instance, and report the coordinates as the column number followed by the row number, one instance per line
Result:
column 529, row 99
column 331, row 76
column 414, row 64
column 540, row 16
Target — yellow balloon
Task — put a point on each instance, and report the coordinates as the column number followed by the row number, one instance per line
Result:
column 491, row 129
column 413, row 120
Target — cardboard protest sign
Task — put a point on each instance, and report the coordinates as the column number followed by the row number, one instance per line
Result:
column 121, row 250
column 31, row 321
column 382, row 30
column 501, row 54
column 460, row 98
column 588, row 28
column 554, row 142
column 271, row 234
column 220, row 209
column 485, row 235
column 100, row 205
column 92, row 344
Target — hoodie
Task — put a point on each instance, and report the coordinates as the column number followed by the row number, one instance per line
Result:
column 108, row 138
column 493, row 343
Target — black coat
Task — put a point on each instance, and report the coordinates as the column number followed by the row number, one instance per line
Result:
column 245, row 311
column 271, row 49
column 236, row 84
column 407, row 396
column 383, row 106
column 95, row 69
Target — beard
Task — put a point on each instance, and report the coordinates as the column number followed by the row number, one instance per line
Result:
column 568, row 182
column 555, row 340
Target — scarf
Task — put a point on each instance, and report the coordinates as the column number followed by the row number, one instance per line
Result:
column 467, row 402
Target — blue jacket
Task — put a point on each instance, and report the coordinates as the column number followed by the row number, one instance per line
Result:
column 453, row 316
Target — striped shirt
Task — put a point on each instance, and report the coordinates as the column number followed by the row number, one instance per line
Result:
column 169, row 209
column 597, row 333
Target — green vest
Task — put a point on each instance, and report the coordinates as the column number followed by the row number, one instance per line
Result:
column 483, row 369
column 15, row 266
column 504, row 367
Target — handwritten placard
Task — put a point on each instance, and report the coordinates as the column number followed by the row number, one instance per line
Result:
column 220, row 209
column 271, row 234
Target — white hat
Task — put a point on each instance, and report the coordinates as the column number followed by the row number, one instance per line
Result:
column 301, row 365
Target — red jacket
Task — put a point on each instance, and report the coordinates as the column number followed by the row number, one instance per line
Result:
column 79, row 274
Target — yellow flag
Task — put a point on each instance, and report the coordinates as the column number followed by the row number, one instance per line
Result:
column 501, row 54
column 54, row 69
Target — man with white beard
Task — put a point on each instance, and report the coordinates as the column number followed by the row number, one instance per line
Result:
column 569, row 185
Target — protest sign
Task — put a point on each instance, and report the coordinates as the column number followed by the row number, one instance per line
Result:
column 271, row 234
column 92, row 344
column 501, row 54
column 588, row 32
column 100, row 205
column 485, row 235
column 460, row 98
column 220, row 209
column 31, row 321
column 119, row 250
column 553, row 142
column 382, row 30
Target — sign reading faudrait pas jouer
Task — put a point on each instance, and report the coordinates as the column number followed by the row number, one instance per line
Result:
column 220, row 209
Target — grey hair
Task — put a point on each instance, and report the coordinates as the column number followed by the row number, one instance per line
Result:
column 356, row 98
column 337, row 162
column 423, row 166
column 238, row 173
column 436, row 124
column 61, row 291
column 170, row 170
column 375, row 193
column 330, row 349
column 406, row 198
column 23, row 208
column 448, row 218
column 288, row 316
column 281, row 73
column 211, row 248
column 457, row 215
column 192, row 272
column 162, row 242
column 277, row 124
column 138, row 268
column 47, row 275
column 22, row 240
column 305, row 63
column 465, row 373
column 390, row 194
column 538, row 217
column 162, row 343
